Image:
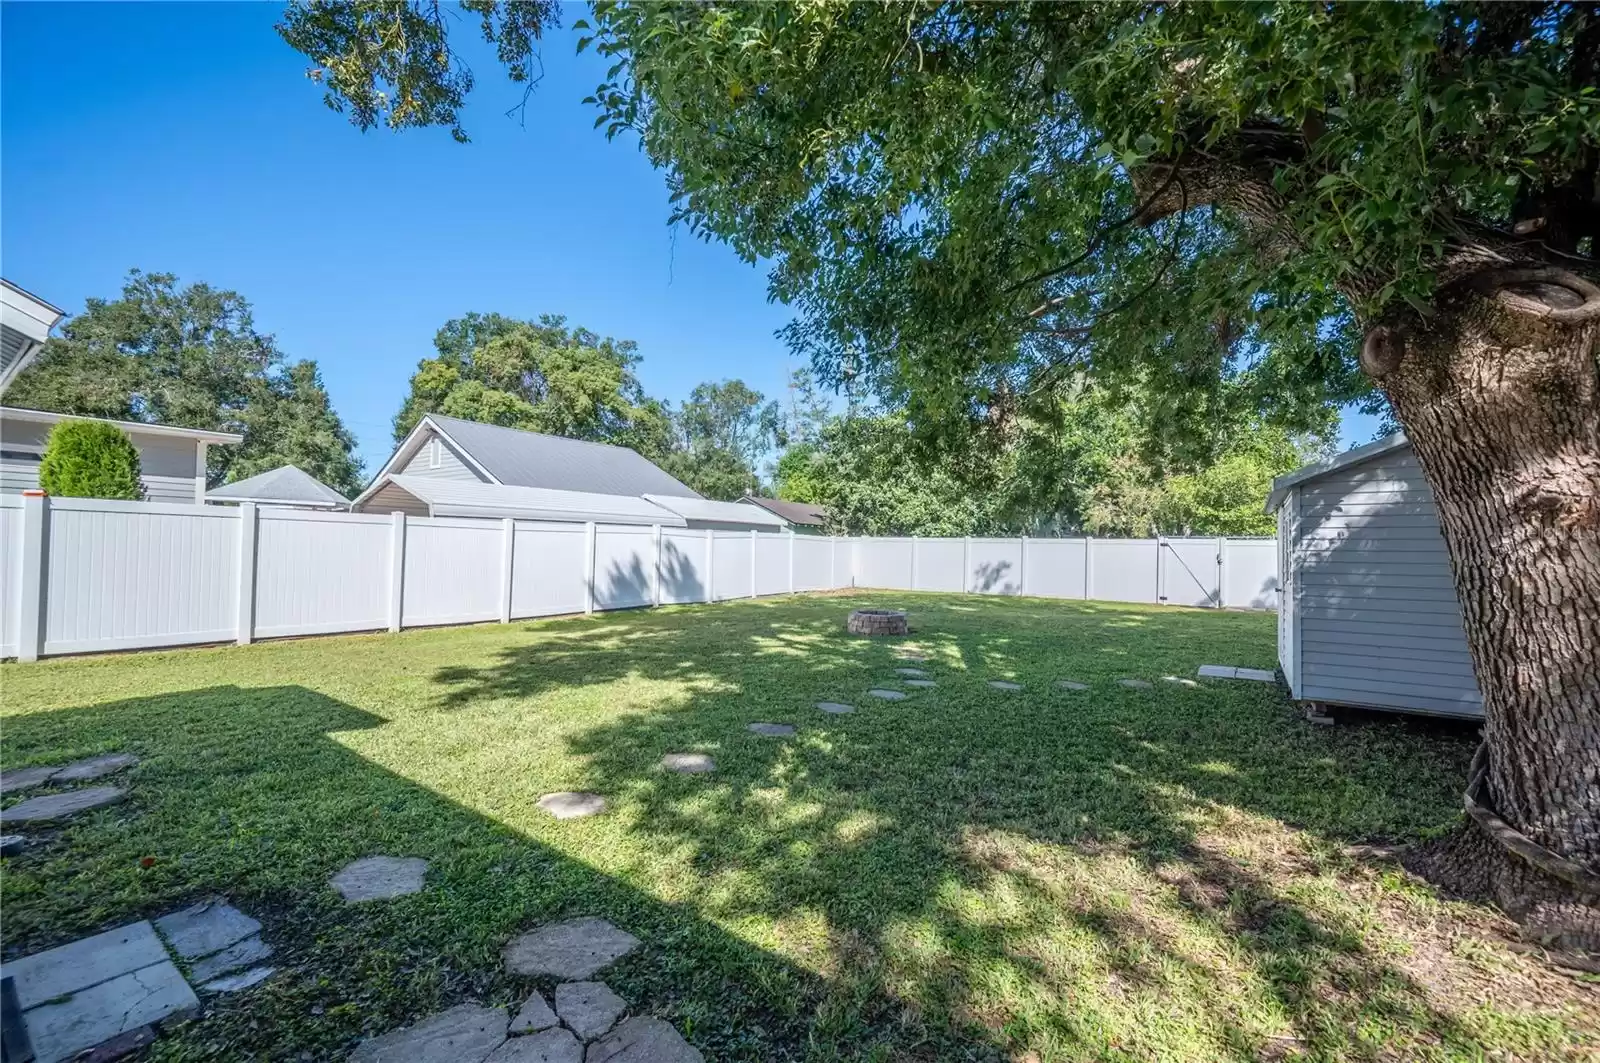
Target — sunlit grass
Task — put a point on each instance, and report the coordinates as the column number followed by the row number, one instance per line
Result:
column 1107, row 875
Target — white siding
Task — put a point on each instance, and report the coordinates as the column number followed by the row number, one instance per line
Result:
column 1376, row 613
column 168, row 465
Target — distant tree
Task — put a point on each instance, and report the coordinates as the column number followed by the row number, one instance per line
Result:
column 191, row 357
column 90, row 459
column 723, row 432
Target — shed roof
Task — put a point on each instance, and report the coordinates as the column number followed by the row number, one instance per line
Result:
column 803, row 513
column 199, row 435
column 463, row 498
column 1377, row 448
column 722, row 512
column 531, row 459
column 287, row 485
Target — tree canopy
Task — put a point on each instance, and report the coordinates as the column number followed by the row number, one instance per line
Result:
column 191, row 356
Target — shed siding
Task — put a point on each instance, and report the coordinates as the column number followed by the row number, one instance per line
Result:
column 1377, row 616
column 450, row 466
column 390, row 499
column 167, row 464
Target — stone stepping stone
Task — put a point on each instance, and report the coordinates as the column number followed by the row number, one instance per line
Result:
column 1179, row 681
column 67, row 803
column 567, row 805
column 1223, row 671
column 234, row 982
column 573, row 950
column 914, row 673
column 26, row 778
column 1134, row 684
column 1071, row 684
column 588, row 1008
column 688, row 763
column 887, row 695
column 240, row 954
column 644, row 1040
column 772, row 730
column 77, row 771
column 379, row 878
column 206, row 928
column 466, row 1033
column 921, row 683
column 534, row 1016
column 12, row 844
column 551, row 1046
column 1004, row 684
column 835, row 707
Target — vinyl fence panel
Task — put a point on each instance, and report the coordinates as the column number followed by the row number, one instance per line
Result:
column 683, row 566
column 624, row 566
column 994, row 566
column 547, row 571
column 1055, row 568
column 1124, row 570
column 10, row 574
column 731, row 575
column 813, row 563
column 883, row 563
column 939, row 564
column 320, row 572
column 1250, row 573
column 452, row 571
column 772, row 563
column 130, row 575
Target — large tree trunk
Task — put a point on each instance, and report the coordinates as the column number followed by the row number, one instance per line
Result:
column 1499, row 392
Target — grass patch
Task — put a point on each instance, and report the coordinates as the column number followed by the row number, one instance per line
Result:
column 969, row 873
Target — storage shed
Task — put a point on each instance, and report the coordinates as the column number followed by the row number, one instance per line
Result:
column 1368, row 615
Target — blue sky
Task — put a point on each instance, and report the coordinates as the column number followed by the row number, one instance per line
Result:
column 185, row 138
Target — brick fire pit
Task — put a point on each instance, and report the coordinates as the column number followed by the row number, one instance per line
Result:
column 878, row 622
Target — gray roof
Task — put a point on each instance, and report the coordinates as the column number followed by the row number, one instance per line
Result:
column 803, row 513
column 1376, row 448
column 529, row 459
column 284, row 486
column 472, row 498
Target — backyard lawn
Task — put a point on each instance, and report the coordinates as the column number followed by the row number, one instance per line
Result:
column 968, row 873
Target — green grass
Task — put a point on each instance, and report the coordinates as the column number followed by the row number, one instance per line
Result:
column 1108, row 875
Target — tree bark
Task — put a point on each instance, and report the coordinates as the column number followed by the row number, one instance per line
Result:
column 1499, row 393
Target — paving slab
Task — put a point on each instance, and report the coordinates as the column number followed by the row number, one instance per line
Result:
column 26, row 778
column 232, row 983
column 835, row 707
column 535, row 1015
column 205, row 928
column 119, row 1047
column 88, row 961
column 466, row 1033
column 1134, row 684
column 66, row 803
column 887, row 695
column 688, row 763
column 588, row 1008
column 1257, row 675
column 914, row 673
column 94, row 767
column 552, row 1046
column 240, row 954
column 1217, row 671
column 772, row 730
column 1071, row 684
column 572, row 805
column 643, row 1040
column 379, row 878
column 1004, row 684
column 1179, row 681
column 12, row 844
column 574, row 949
column 67, row 1025
column 921, row 684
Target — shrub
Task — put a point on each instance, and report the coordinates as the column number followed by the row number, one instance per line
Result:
column 90, row 459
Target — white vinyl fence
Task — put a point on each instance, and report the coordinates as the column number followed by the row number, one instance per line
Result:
column 80, row 575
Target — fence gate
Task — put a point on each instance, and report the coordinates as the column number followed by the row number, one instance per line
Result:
column 1190, row 571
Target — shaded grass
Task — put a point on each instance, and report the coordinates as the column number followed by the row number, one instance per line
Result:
column 969, row 873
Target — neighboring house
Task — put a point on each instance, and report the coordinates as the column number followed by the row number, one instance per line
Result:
column 25, row 323
column 172, row 461
column 284, row 486
column 1368, row 615
column 803, row 517
column 449, row 467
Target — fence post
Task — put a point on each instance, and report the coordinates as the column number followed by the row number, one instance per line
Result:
column 508, row 551
column 711, row 565
column 588, row 568
column 35, row 581
column 1088, row 567
column 245, row 605
column 1022, row 568
column 1222, row 569
column 1161, row 570
column 754, row 549
column 966, row 565
column 791, row 559
column 833, row 562
column 655, row 571
column 397, row 568
column 914, row 541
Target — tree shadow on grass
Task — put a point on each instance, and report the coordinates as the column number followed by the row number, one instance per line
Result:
column 254, row 793
column 1104, row 875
